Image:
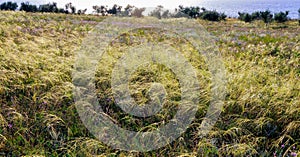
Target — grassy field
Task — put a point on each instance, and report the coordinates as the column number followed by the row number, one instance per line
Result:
column 261, row 115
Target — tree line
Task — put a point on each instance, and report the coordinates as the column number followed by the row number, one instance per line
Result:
column 159, row 12
column 45, row 8
column 266, row 16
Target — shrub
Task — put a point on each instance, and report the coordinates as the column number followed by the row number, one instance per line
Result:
column 299, row 16
column 138, row 12
column 28, row 7
column 48, row 8
column 246, row 17
column 70, row 8
column 166, row 14
column 157, row 12
column 212, row 16
column 178, row 14
column 256, row 16
column 192, row 12
column 266, row 16
column 8, row 6
column 281, row 17
column 116, row 9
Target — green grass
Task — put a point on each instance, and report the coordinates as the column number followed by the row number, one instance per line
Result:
column 38, row 114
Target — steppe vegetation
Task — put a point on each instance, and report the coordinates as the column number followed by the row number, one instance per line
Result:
column 262, row 106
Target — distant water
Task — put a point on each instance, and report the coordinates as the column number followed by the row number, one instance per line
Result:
column 231, row 7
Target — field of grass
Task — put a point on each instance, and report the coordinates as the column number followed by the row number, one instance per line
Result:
column 261, row 115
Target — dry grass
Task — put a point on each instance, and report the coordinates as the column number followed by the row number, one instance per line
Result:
column 38, row 116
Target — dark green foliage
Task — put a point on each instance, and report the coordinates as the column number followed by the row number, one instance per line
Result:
column 281, row 16
column 70, row 8
column 256, row 16
column 192, row 12
column 116, row 9
column 212, row 16
column 299, row 16
column 197, row 12
column 8, row 6
column 266, row 16
column 48, row 8
column 246, row 17
column 28, row 7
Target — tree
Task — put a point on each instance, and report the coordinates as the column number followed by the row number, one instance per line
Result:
column 178, row 14
column 193, row 12
column 266, row 16
column 281, row 16
column 100, row 10
column 28, row 7
column 70, row 8
column 166, row 14
column 80, row 11
column 256, row 16
column 212, row 15
column 8, row 6
column 299, row 16
column 116, row 9
column 50, row 8
column 157, row 12
column 245, row 17
column 128, row 10
column 138, row 12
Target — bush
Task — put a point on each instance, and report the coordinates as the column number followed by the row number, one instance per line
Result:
column 48, row 8
column 255, row 16
column 246, row 17
column 299, row 16
column 28, row 7
column 116, row 9
column 281, row 17
column 266, row 16
column 138, row 12
column 197, row 12
column 157, row 12
column 8, row 6
column 212, row 16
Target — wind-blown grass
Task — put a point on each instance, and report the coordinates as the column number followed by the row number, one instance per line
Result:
column 38, row 116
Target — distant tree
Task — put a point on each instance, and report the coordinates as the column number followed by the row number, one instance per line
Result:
column 157, row 12
column 178, row 14
column 246, row 17
column 96, row 9
column 80, row 11
column 166, row 14
column 116, row 9
column 192, row 12
column 8, row 6
column 266, row 16
column 256, row 16
column 281, row 16
column 222, row 16
column 70, row 8
column 100, row 10
column 197, row 12
column 50, row 8
column 299, row 16
column 61, row 10
column 138, row 12
column 212, row 15
column 28, row 7
column 128, row 10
